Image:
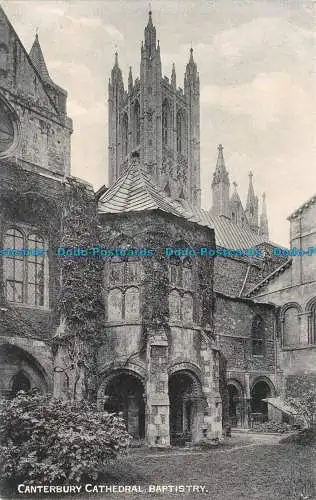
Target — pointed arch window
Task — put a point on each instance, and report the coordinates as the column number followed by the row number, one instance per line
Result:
column 291, row 326
column 181, row 296
column 24, row 268
column 125, row 134
column 123, row 302
column 137, row 123
column 165, row 123
column 179, row 132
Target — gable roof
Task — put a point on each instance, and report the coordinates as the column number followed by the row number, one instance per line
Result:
column 279, row 270
column 135, row 191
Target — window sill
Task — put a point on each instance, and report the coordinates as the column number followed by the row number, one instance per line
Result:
column 124, row 322
column 27, row 306
column 298, row 347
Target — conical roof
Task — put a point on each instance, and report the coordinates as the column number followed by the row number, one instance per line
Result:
column 37, row 58
column 135, row 191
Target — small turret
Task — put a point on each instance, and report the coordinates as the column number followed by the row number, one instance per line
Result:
column 264, row 226
column 220, row 186
column 150, row 35
column 191, row 76
column 252, row 206
column 56, row 93
column 130, row 79
column 173, row 77
column 236, row 208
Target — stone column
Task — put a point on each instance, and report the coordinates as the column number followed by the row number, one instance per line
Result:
column 157, row 398
column 247, row 401
column 212, row 418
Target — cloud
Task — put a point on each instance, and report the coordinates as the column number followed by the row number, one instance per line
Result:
column 113, row 32
column 95, row 114
column 262, row 33
column 267, row 98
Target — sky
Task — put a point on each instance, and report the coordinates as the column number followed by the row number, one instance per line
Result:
column 256, row 60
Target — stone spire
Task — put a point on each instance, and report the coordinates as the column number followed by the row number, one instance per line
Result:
column 173, row 76
column 221, row 173
column 130, row 79
column 37, row 58
column 191, row 76
column 57, row 94
column 150, row 35
column 264, row 227
column 252, row 206
column 220, row 186
column 116, row 74
column 236, row 208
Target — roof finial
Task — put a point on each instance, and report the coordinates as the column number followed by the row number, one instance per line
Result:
column 235, row 185
column 150, row 21
column 116, row 56
column 250, row 174
column 220, row 148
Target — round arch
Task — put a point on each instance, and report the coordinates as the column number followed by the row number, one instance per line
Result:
column 186, row 406
column 15, row 360
column 122, row 393
column 261, row 388
column 289, row 305
column 310, row 304
column 191, row 368
column 235, row 395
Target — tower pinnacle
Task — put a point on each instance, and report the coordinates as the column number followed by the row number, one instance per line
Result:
column 38, row 60
column 220, row 186
column 264, row 226
column 150, row 35
column 252, row 206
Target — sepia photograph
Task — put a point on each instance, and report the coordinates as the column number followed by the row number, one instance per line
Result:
column 158, row 249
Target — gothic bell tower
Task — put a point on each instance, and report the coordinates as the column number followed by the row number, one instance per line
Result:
column 158, row 121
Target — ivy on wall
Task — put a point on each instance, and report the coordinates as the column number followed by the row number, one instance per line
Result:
column 65, row 214
column 23, row 201
column 80, row 300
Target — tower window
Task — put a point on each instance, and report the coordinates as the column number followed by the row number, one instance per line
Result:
column 179, row 132
column 137, row 123
column 257, row 334
column 125, row 134
column 165, row 122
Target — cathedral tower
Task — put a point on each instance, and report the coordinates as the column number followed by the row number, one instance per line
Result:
column 158, row 120
column 220, row 187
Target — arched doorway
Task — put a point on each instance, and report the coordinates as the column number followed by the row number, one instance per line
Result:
column 236, row 406
column 259, row 408
column 19, row 370
column 185, row 397
column 124, row 395
column 20, row 382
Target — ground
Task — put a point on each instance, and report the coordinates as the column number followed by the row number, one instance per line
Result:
column 250, row 467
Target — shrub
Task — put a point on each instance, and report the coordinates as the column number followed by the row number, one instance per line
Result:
column 271, row 426
column 55, row 442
